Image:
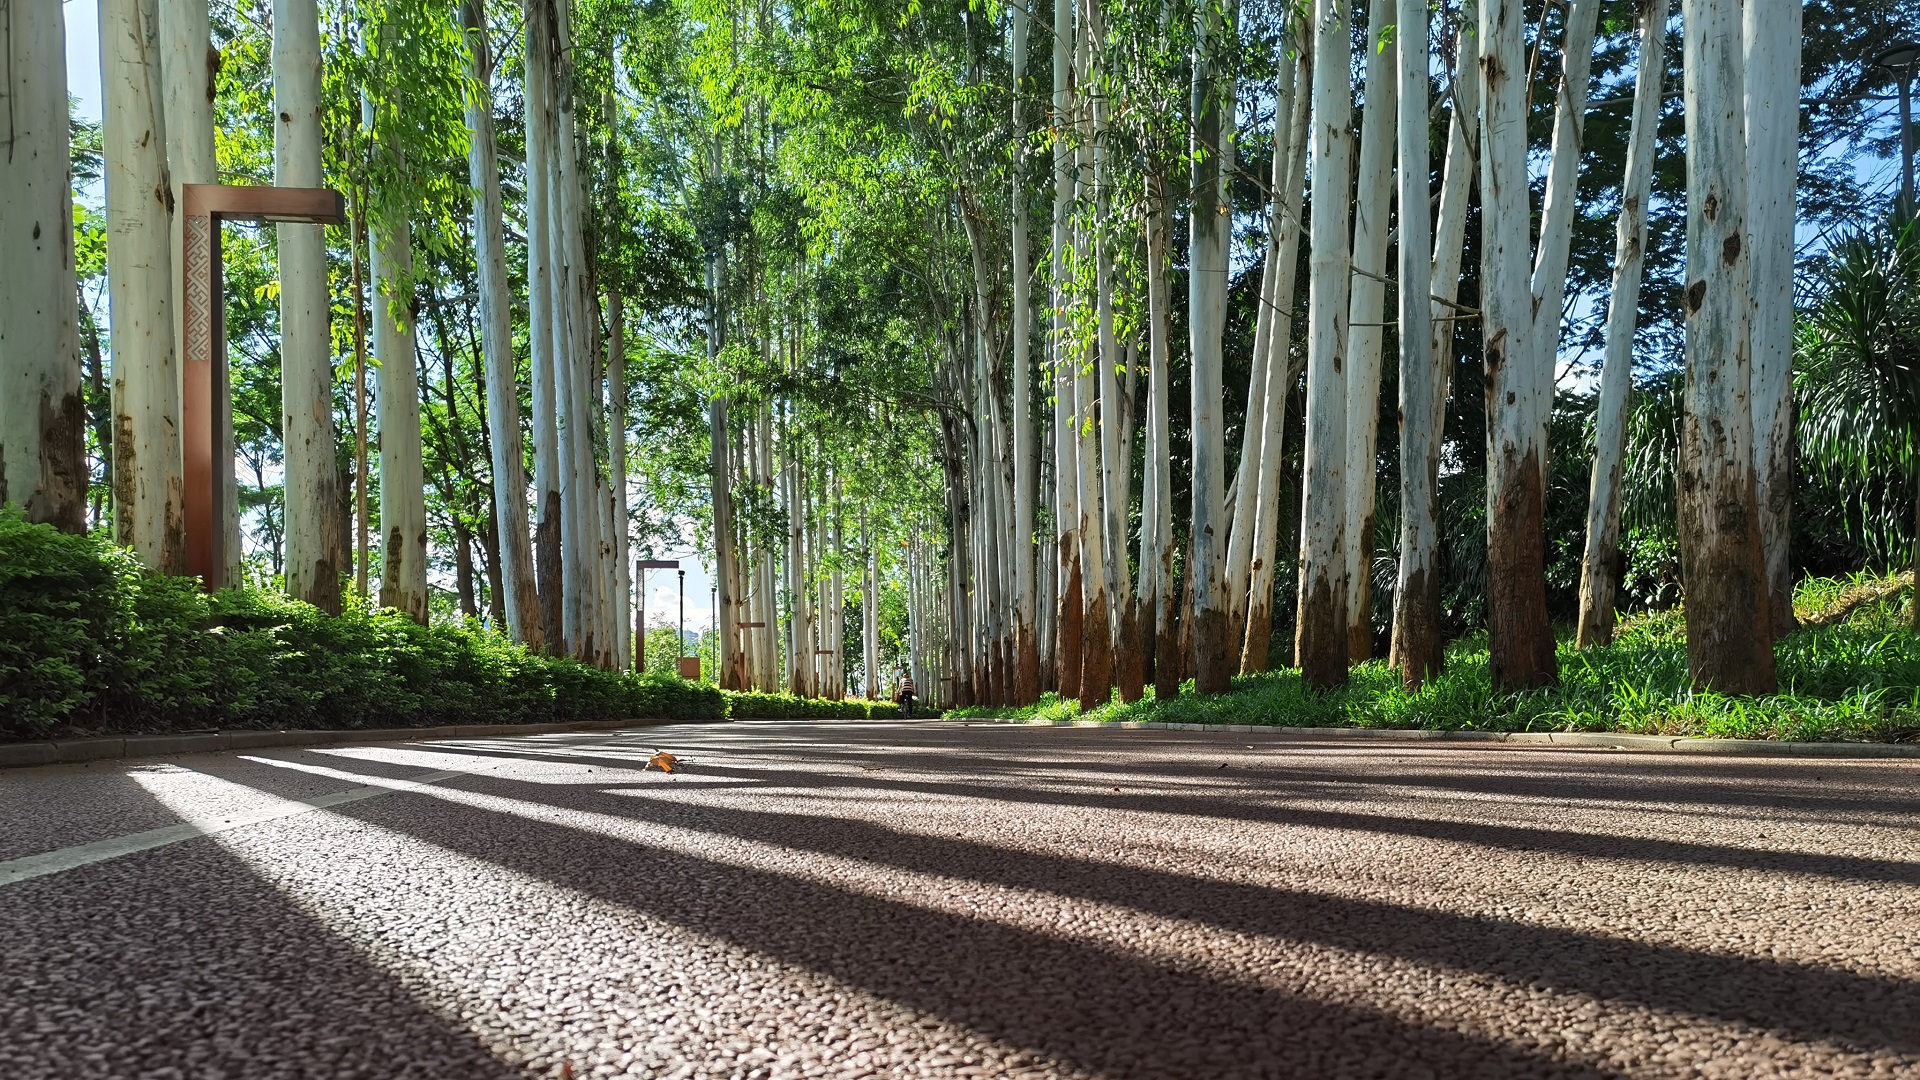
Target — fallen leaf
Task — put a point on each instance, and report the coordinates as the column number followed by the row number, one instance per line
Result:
column 662, row 759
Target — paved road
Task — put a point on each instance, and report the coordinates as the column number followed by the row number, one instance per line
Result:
column 938, row 900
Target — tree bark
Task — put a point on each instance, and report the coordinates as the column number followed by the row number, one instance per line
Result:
column 1417, row 589
column 403, row 507
column 1026, row 680
column 521, row 598
column 1263, row 411
column 1257, row 643
column 1419, row 646
column 1066, row 443
column 1519, row 384
column 1156, row 516
column 1729, row 621
column 147, row 479
column 316, row 529
column 1373, row 199
column 43, row 412
column 1600, row 560
column 1212, row 224
column 1771, row 38
column 1320, row 641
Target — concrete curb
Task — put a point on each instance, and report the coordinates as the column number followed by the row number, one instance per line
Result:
column 72, row 751
column 1587, row 740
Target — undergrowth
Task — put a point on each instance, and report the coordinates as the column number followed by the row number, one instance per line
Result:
column 1853, row 672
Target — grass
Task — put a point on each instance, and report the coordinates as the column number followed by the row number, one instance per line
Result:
column 1852, row 674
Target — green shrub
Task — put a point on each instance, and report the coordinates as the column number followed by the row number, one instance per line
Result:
column 753, row 705
column 89, row 641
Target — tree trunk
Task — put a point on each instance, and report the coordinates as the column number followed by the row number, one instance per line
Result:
column 1066, row 442
column 189, row 64
column 1600, row 560
column 1417, row 589
column 1257, row 642
column 1373, row 198
column 520, row 599
column 1729, row 621
column 316, row 550
column 1419, row 645
column 1156, row 510
column 1519, row 382
column 1211, row 227
column 403, row 507
column 1771, row 36
column 1264, row 412
column 43, row 413
column 147, row 479
column 1320, row 638
column 1026, row 680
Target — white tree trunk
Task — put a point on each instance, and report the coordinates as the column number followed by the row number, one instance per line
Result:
column 1212, row 226
column 1373, row 199
column 521, row 599
column 1771, row 36
column 188, row 64
column 1156, row 501
column 316, row 533
column 1417, row 588
column 1518, row 382
column 1257, row 642
column 1599, row 564
column 1560, row 205
column 617, row 462
column 1729, row 624
column 1026, row 683
column 43, row 415
column 1263, row 410
column 403, row 507
column 147, row 481
column 1067, row 634
column 1419, row 645
column 540, row 147
column 1320, row 643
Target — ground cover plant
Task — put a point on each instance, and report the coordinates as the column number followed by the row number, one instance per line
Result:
column 1851, row 672
column 91, row 642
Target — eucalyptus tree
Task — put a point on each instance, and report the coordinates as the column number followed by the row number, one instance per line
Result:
column 1729, row 616
column 1067, row 509
column 1320, row 640
column 521, row 599
column 43, row 416
column 1373, row 198
column 1266, row 387
column 1210, row 228
column 148, row 486
column 403, row 508
column 1026, row 682
column 1599, row 565
column 1419, row 648
column 1281, row 376
column 316, row 555
column 1770, row 59
column 1417, row 593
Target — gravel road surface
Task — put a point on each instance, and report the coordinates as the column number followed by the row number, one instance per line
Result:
column 853, row 900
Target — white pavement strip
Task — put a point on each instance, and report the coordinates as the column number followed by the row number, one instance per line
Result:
column 269, row 808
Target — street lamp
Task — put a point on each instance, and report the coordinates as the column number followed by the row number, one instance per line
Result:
column 206, row 409
column 1903, row 58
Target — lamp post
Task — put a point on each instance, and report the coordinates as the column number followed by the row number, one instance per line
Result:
column 1902, row 58
column 682, row 642
column 641, row 566
column 206, row 418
